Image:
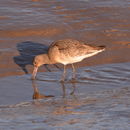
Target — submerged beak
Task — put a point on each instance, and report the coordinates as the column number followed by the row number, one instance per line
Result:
column 34, row 72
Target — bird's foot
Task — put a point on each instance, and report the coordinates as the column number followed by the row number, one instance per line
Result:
column 33, row 78
column 63, row 80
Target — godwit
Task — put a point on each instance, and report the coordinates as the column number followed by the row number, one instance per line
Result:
column 67, row 51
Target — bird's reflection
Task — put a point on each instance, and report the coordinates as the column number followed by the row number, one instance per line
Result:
column 37, row 94
column 63, row 85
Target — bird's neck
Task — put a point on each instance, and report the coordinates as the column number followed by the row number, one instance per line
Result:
column 47, row 59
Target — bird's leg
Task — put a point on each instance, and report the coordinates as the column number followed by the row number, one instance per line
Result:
column 64, row 73
column 46, row 66
column 57, row 66
column 74, row 71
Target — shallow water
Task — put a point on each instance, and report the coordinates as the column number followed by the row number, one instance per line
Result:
column 100, row 96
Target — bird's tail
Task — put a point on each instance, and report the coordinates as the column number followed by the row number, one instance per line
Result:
column 102, row 47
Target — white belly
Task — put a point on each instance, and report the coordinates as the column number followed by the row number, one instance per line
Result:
column 69, row 60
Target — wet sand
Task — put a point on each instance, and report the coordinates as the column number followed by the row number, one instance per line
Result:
column 98, row 99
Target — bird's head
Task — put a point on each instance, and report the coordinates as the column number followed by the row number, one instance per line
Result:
column 38, row 61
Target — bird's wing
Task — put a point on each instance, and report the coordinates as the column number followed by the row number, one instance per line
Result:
column 70, row 47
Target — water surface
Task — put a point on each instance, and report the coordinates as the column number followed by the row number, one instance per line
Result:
column 98, row 99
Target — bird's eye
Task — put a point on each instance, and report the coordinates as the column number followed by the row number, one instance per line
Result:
column 34, row 63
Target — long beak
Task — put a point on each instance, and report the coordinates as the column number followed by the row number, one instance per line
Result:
column 34, row 72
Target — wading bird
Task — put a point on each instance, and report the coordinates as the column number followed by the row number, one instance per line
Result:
column 67, row 51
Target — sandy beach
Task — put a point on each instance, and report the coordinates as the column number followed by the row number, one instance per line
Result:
column 99, row 98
